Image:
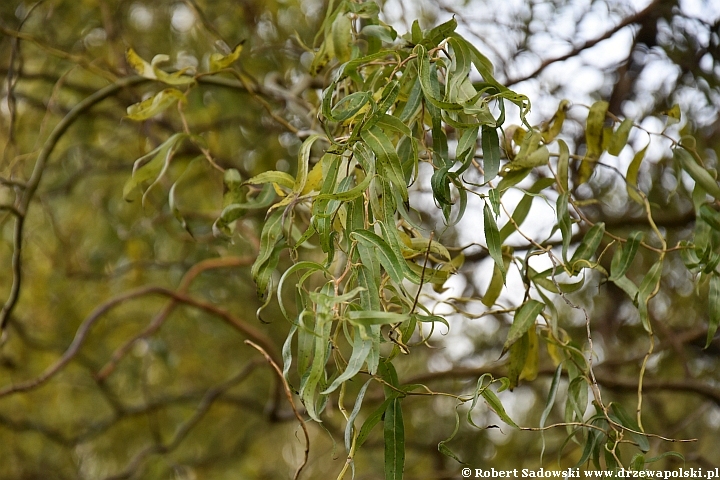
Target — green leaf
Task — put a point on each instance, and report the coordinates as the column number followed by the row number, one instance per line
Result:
column 620, row 137
column 495, row 287
column 624, row 255
column 587, row 248
column 466, row 147
column 303, row 163
column 172, row 200
column 300, row 266
column 376, row 317
column 387, row 122
column 349, row 106
column 271, row 235
column 518, row 355
column 593, row 140
column 549, row 403
column 383, row 252
column 563, row 216
column 272, row 176
column 627, row 286
column 562, row 168
column 443, row 448
column 353, row 415
column 372, row 420
column 519, row 215
column 494, row 403
column 157, row 103
column 522, row 321
column 646, row 291
column 494, row 197
column 541, row 280
column 387, row 157
column 438, row 34
column 394, row 434
column 555, row 125
column 152, row 165
column 321, row 340
column 492, row 237
column 342, row 39
column 361, row 350
column 627, row 421
column 713, row 308
column 491, row 152
column 577, row 397
column 512, row 178
column 632, row 174
column 424, row 73
column 236, row 210
column 698, row 173
column 384, row 32
column 637, row 462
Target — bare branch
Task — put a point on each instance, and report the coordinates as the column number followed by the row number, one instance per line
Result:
column 631, row 20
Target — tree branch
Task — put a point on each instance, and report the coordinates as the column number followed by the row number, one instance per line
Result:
column 632, row 19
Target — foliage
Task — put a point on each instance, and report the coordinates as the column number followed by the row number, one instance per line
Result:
column 346, row 248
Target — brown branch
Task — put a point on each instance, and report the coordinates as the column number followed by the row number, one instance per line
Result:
column 79, row 339
column 161, row 316
column 687, row 385
column 632, row 19
column 608, row 380
column 184, row 428
column 249, row 331
column 288, row 394
column 56, row 52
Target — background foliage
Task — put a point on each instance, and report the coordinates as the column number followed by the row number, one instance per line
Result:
column 124, row 354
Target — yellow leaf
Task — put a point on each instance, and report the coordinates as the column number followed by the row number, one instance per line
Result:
column 143, row 68
column 673, row 114
column 218, row 61
column 155, row 104
column 532, row 360
column 314, row 179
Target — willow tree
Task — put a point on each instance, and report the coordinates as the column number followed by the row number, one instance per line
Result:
column 330, row 261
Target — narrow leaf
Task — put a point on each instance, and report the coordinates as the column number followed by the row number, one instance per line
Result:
column 494, row 403
column 522, row 321
column 155, row 104
column 394, row 433
column 632, row 174
column 593, row 139
column 620, row 137
column 698, row 173
column 218, row 61
column 713, row 308
column 383, row 251
column 492, row 237
column 624, row 255
column 353, row 415
column 647, row 289
column 587, row 248
column 562, row 168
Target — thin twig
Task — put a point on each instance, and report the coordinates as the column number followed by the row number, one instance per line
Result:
column 288, row 394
